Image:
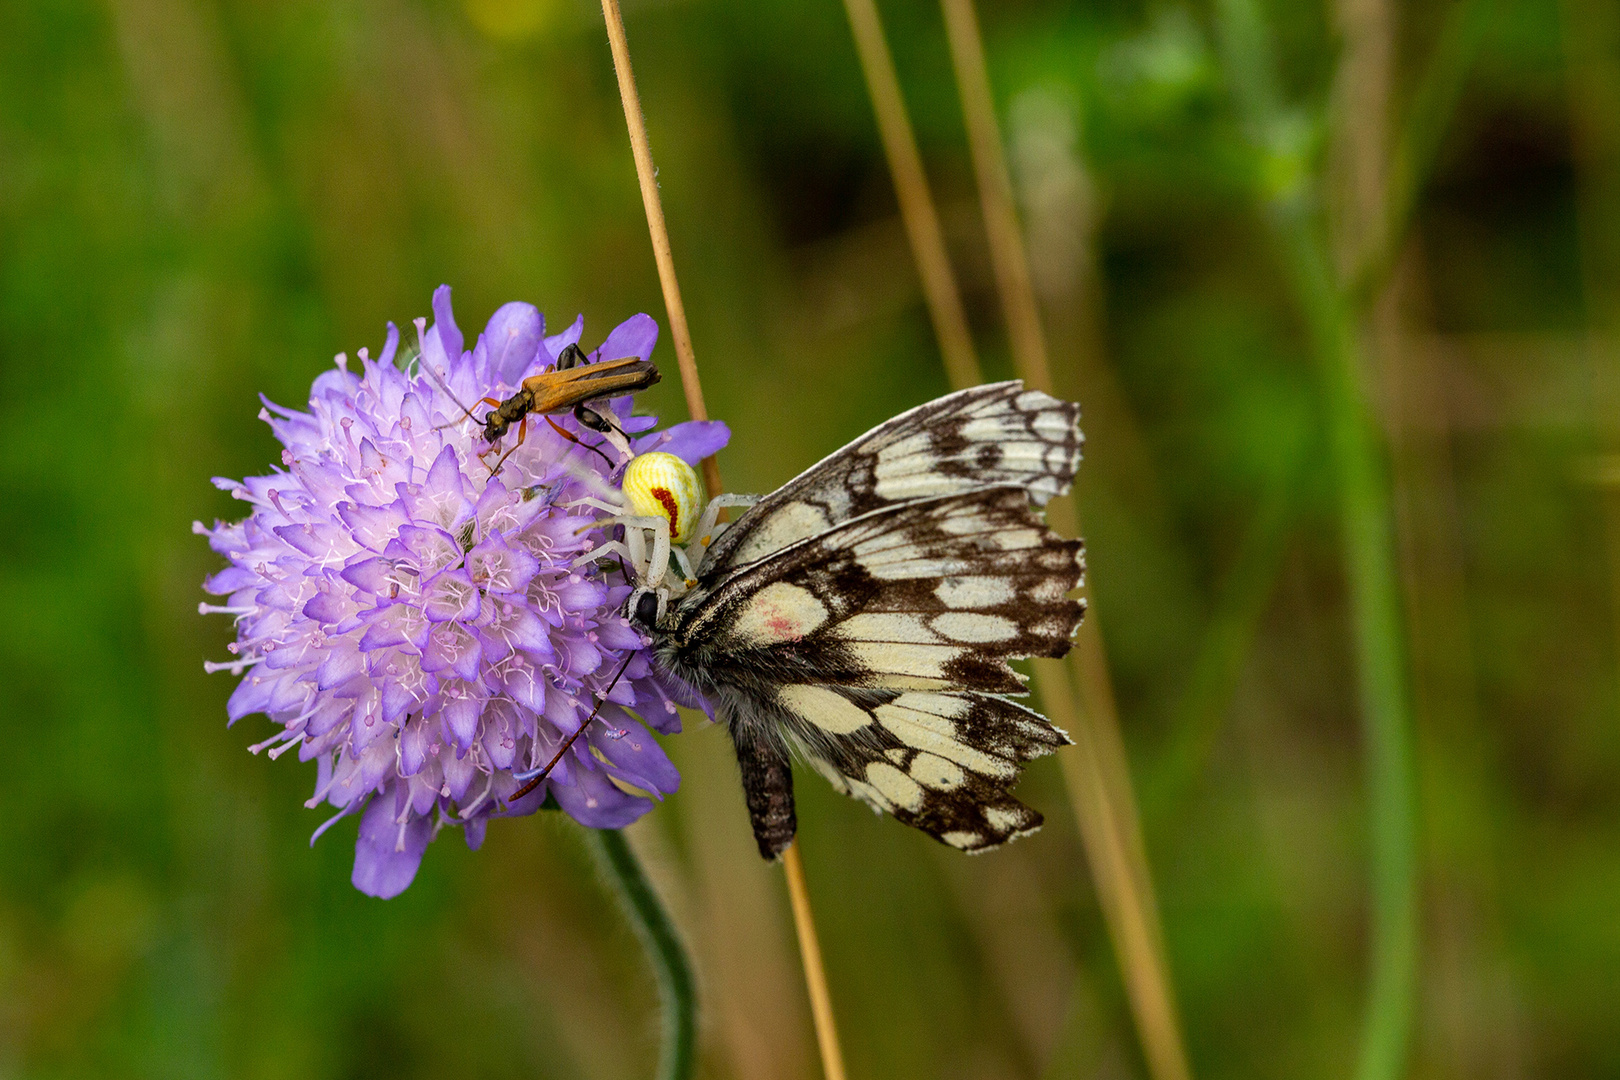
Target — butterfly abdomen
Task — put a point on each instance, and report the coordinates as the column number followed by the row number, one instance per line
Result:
column 767, row 780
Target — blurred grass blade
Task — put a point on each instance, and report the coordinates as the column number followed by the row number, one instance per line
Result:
column 1095, row 769
column 1008, row 258
column 1592, row 74
column 647, row 177
column 1368, row 535
column 1433, row 102
column 1223, row 649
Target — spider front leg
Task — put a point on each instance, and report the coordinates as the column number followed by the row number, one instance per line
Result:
column 684, row 561
column 594, row 504
column 607, row 427
column 651, row 568
column 613, row 548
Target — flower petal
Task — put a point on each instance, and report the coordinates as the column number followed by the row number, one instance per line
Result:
column 691, row 442
column 460, row 716
column 636, row 337
column 414, row 741
column 633, row 753
column 428, row 550
column 497, row 567
column 451, row 595
column 557, row 342
column 374, row 575
column 593, row 801
column 444, row 323
column 386, row 856
column 513, row 338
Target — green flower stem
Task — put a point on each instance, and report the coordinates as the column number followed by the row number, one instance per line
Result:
column 1367, row 525
column 677, row 991
column 1368, row 528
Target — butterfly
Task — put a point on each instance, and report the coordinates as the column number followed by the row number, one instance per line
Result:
column 863, row 616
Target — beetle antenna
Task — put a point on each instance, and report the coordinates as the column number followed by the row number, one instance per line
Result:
column 451, row 394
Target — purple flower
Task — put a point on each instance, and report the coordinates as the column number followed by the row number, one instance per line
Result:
column 413, row 621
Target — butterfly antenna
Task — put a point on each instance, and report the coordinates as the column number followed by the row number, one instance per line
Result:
column 568, row 742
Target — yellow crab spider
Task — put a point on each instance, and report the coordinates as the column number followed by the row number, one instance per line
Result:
column 661, row 501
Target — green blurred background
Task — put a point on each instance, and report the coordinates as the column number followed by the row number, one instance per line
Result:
column 205, row 199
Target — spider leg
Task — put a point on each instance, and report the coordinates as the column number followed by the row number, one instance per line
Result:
column 647, row 568
column 685, row 563
column 607, row 426
column 594, row 504
column 617, row 548
column 635, row 534
column 707, row 529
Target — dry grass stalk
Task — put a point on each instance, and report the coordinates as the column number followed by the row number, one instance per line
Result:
column 814, row 971
column 916, row 204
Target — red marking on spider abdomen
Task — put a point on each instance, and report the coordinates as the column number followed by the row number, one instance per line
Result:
column 672, row 509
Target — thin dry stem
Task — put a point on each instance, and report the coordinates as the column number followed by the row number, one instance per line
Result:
column 815, row 974
column 650, row 201
column 1096, row 768
column 911, row 187
column 1130, row 914
column 1007, row 256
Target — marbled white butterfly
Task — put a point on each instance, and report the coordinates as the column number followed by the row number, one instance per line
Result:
column 863, row 616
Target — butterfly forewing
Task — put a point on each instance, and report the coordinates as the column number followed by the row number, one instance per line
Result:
column 932, row 594
column 972, row 439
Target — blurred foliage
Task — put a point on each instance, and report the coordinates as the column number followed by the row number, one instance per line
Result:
column 205, row 199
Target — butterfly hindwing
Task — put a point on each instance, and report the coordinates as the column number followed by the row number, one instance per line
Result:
column 942, row 763
column 976, row 438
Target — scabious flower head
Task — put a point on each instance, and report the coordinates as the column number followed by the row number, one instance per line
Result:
column 413, row 621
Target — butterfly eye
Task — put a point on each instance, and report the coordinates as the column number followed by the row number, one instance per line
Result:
column 657, row 484
column 644, row 609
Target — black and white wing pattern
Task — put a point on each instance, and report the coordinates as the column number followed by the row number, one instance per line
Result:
column 975, row 438
column 877, row 646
